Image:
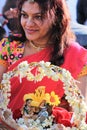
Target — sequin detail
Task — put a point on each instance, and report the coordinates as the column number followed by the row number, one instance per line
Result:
column 83, row 72
column 10, row 51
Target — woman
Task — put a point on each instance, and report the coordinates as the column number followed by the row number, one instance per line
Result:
column 46, row 35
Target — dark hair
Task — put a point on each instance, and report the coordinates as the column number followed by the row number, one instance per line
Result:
column 13, row 25
column 60, row 31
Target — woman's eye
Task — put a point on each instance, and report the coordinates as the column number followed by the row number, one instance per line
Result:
column 24, row 15
column 38, row 17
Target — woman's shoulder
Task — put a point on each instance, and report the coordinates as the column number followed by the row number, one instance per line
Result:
column 77, row 52
column 75, row 58
column 75, row 48
column 4, row 44
column 7, row 43
column 3, row 41
column 11, row 50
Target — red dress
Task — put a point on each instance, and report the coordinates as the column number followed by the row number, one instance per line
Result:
column 75, row 59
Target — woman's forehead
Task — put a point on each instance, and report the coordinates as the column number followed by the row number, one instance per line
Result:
column 31, row 7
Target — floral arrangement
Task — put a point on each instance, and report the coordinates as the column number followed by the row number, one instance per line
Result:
column 73, row 94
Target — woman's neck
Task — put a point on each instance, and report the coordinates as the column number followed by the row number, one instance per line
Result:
column 37, row 45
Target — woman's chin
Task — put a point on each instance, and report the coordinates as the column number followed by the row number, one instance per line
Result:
column 31, row 37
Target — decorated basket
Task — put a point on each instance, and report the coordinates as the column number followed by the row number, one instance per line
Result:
column 43, row 120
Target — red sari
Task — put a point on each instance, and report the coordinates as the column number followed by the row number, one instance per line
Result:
column 75, row 59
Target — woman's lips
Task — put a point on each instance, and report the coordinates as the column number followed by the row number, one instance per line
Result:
column 31, row 31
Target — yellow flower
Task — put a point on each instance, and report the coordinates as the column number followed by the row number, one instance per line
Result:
column 40, row 95
column 52, row 99
column 36, row 97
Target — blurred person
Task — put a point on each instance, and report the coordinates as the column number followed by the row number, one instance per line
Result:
column 10, row 13
column 9, row 4
column 81, row 10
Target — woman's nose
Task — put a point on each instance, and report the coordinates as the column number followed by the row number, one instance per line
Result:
column 30, row 22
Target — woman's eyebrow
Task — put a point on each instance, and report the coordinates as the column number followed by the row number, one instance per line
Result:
column 22, row 11
column 37, row 13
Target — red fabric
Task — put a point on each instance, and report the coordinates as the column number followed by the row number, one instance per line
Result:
column 75, row 58
column 62, row 116
column 86, row 117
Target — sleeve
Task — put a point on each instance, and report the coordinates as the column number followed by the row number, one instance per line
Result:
column 4, row 49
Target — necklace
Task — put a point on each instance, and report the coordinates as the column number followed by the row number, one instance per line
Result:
column 37, row 47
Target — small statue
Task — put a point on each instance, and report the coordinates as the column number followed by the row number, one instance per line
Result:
column 43, row 114
column 28, row 111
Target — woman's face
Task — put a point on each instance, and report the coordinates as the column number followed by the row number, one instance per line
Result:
column 35, row 27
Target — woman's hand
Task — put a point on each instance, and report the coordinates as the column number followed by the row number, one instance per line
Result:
column 7, row 120
column 3, row 69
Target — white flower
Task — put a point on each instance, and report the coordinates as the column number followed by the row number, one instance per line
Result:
column 20, row 121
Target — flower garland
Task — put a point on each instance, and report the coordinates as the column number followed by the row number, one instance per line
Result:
column 73, row 94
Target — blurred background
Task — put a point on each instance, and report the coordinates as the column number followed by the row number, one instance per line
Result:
column 2, row 2
column 72, row 8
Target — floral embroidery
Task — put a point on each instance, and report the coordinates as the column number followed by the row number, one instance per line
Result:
column 83, row 72
column 10, row 51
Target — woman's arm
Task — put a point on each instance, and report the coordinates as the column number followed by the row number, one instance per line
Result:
column 3, row 69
